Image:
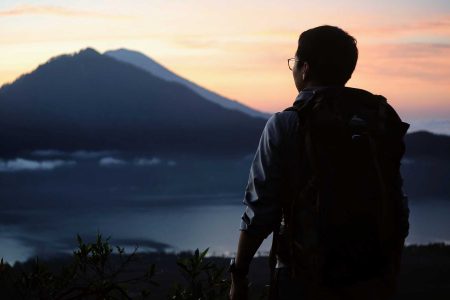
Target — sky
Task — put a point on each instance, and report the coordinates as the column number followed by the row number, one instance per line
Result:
column 239, row 48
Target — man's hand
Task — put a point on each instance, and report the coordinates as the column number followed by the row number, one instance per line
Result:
column 239, row 287
column 248, row 244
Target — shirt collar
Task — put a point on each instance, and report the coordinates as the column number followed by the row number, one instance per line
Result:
column 307, row 93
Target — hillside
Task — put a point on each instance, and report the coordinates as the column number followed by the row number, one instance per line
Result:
column 92, row 101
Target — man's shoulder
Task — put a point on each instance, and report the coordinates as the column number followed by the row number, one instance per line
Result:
column 286, row 116
column 283, row 122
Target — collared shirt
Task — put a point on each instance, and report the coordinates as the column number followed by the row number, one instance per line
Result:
column 279, row 144
column 279, row 140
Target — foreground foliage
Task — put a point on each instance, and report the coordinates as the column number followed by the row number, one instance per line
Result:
column 204, row 280
column 100, row 271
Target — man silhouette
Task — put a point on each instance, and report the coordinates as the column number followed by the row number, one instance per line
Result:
column 325, row 180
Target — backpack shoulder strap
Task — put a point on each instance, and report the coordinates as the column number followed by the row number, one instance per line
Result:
column 303, row 111
column 304, row 106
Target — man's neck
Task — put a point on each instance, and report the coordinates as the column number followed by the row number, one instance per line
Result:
column 312, row 85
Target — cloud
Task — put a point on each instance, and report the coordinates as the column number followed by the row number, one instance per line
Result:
column 234, row 42
column 20, row 164
column 439, row 25
column 21, row 10
column 153, row 162
column 423, row 61
column 105, row 159
column 80, row 154
column 147, row 162
column 48, row 153
column 111, row 161
column 171, row 163
column 412, row 50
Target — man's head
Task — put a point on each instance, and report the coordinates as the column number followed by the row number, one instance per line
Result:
column 326, row 55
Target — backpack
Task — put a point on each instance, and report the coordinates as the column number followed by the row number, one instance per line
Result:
column 341, row 225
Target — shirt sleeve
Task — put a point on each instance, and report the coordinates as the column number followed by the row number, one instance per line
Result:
column 404, row 216
column 403, row 208
column 263, row 212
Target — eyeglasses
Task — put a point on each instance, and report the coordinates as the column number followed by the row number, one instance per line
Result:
column 291, row 62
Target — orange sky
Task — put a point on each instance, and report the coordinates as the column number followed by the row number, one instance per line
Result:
column 239, row 49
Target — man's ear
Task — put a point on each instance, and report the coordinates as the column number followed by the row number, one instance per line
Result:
column 305, row 70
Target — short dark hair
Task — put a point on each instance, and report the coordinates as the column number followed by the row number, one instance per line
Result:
column 330, row 52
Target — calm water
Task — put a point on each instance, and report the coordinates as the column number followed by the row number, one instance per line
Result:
column 171, row 227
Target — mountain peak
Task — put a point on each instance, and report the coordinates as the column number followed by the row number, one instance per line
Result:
column 141, row 61
column 83, row 53
column 126, row 51
column 88, row 52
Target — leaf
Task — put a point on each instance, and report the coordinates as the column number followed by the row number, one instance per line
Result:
column 80, row 241
column 183, row 266
column 204, row 252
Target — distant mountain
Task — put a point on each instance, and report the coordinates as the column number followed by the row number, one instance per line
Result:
column 92, row 101
column 426, row 167
column 146, row 63
column 426, row 144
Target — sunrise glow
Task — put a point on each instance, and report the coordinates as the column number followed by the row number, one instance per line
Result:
column 239, row 49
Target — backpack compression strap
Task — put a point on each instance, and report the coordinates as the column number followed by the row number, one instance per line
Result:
column 301, row 110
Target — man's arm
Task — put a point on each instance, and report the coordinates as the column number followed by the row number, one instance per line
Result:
column 262, row 197
column 247, row 247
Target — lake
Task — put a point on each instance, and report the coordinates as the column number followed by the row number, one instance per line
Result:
column 167, row 223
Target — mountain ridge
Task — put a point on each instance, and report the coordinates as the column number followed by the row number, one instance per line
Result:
column 146, row 63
